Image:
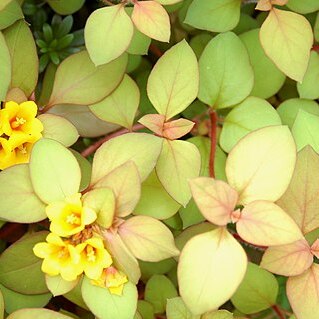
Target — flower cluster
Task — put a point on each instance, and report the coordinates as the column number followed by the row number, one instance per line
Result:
column 19, row 130
column 73, row 248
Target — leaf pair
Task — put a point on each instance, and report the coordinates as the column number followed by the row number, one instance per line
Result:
column 109, row 31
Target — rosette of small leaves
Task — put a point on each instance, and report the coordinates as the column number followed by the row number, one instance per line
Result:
column 56, row 42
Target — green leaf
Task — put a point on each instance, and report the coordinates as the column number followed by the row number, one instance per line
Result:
column 251, row 114
column 252, row 173
column 288, row 47
column 82, row 118
column 14, row 301
column 78, row 81
column 143, row 149
column 152, row 19
column 37, row 314
column 300, row 200
column 214, row 16
column 308, row 88
column 86, row 169
column 105, row 305
column 153, row 192
column 258, row 291
column 305, row 130
column 289, row 109
column 139, row 44
column 305, row 6
column 102, row 201
column 4, row 3
column 206, row 273
column 108, row 33
column 157, row 290
column 304, row 288
column 121, row 105
column 20, row 269
column 64, row 8
column 24, row 57
column 176, row 309
column 168, row 87
column 178, row 162
column 58, row 286
column 125, row 183
column 224, row 69
column 288, row 260
column 147, row 238
column 162, row 267
column 59, row 129
column 55, row 173
column 219, row 314
column 5, row 68
column 10, row 14
column 145, row 309
column 19, row 203
column 1, row 306
column 199, row 42
column 122, row 257
column 268, row 79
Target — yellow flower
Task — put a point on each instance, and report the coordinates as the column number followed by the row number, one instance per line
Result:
column 113, row 279
column 7, row 157
column 60, row 257
column 20, row 118
column 94, row 257
column 69, row 217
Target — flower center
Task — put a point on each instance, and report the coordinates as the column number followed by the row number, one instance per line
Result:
column 63, row 253
column 72, row 219
column 90, row 254
column 18, row 122
column 22, row 149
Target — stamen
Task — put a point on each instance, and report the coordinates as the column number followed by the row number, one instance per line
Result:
column 73, row 219
column 19, row 121
column 90, row 254
column 22, row 149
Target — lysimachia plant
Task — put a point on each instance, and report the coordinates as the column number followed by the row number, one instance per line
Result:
column 159, row 159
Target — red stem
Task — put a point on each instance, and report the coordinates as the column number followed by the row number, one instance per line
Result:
column 279, row 313
column 213, row 139
column 92, row 148
column 315, row 47
column 155, row 50
column 243, row 241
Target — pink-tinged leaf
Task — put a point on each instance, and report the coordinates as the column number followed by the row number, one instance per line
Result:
column 122, row 257
column 125, row 183
column 288, row 260
column 152, row 19
column 301, row 200
column 148, row 239
column 154, row 122
column 265, row 223
column 315, row 248
column 266, row 5
column 177, row 128
column 215, row 199
column 302, row 292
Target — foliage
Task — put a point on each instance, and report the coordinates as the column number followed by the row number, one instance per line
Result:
column 159, row 159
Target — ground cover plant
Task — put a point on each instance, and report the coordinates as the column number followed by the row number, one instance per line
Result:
column 159, row 159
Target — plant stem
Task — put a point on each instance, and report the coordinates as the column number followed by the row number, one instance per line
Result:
column 92, row 148
column 213, row 140
column 155, row 50
column 108, row 2
column 278, row 311
column 260, row 248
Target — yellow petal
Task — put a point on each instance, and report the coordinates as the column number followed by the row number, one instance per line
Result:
column 55, row 240
column 28, row 110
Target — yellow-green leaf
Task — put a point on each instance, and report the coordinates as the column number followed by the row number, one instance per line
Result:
column 266, row 224
column 302, row 292
column 300, row 200
column 19, row 203
column 287, row 46
column 215, row 199
column 143, row 149
column 1, row 306
column 258, row 291
column 10, row 14
column 58, row 286
column 178, row 162
column 214, row 16
column 58, row 128
column 24, row 57
column 288, row 260
column 169, row 87
column 5, row 68
column 108, row 33
column 305, row 6
column 64, row 8
column 125, row 183
column 55, row 172
column 252, row 170
column 224, row 69
column 206, row 272
column 4, row 3
column 37, row 313
column 78, row 81
column 176, row 309
column 148, row 239
column 152, row 19
column 119, row 107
